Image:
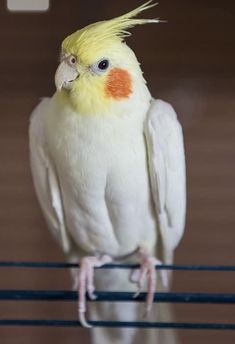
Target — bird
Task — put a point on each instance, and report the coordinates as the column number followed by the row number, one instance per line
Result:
column 108, row 167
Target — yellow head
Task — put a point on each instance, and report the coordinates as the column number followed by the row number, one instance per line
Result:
column 97, row 68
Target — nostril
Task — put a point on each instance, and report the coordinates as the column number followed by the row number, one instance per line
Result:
column 73, row 60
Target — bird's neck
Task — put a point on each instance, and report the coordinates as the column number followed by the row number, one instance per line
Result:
column 137, row 104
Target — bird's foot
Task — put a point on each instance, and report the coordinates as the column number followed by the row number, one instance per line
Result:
column 147, row 272
column 86, row 283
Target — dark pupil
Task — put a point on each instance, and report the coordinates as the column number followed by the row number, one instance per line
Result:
column 103, row 64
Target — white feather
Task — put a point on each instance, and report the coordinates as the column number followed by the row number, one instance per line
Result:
column 167, row 172
column 44, row 176
column 92, row 182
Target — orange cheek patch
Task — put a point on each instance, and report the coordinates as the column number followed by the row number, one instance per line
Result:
column 118, row 84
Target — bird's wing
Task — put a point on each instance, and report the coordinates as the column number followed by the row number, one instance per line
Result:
column 44, row 176
column 166, row 161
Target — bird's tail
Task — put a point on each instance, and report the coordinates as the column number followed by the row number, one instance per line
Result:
column 118, row 280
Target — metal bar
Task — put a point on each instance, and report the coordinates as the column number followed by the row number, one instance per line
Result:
column 64, row 295
column 123, row 324
column 59, row 265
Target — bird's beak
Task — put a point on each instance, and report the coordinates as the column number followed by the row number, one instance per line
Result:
column 64, row 75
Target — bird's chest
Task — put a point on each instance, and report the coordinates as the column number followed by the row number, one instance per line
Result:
column 95, row 155
column 104, row 181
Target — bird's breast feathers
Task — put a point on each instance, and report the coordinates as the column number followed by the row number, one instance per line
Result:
column 102, row 168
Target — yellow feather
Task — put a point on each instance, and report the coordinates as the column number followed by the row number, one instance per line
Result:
column 85, row 42
column 94, row 42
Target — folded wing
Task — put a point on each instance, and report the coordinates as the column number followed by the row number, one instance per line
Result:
column 44, row 176
column 167, row 173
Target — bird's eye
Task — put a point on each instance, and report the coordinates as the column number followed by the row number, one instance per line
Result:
column 103, row 65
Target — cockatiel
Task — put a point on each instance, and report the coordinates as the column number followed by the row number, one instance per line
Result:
column 109, row 172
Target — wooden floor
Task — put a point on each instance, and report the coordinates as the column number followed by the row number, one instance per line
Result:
column 190, row 62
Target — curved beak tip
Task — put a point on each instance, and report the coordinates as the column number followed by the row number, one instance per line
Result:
column 64, row 75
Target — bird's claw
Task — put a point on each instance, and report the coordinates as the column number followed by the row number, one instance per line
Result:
column 148, row 272
column 86, row 283
column 83, row 320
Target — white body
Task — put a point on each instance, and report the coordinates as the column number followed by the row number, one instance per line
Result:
column 111, row 185
column 109, row 172
column 102, row 167
column 92, row 177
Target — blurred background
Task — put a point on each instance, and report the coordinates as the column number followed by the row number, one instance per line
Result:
column 189, row 62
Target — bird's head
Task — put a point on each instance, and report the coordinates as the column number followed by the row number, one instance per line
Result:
column 97, row 69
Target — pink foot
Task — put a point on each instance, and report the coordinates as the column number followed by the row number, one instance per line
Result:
column 86, row 283
column 147, row 271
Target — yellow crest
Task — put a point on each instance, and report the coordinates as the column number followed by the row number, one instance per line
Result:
column 96, row 36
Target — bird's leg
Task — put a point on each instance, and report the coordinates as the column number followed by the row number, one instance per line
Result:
column 86, row 282
column 148, row 272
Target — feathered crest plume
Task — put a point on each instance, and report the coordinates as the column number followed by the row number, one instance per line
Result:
column 119, row 25
column 108, row 30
